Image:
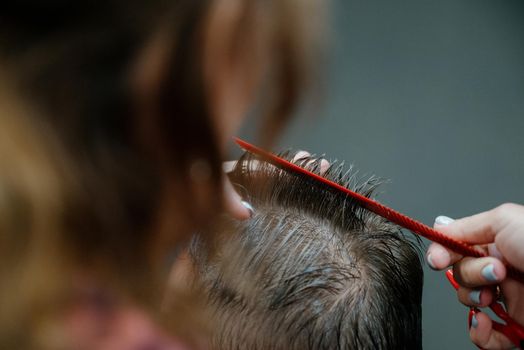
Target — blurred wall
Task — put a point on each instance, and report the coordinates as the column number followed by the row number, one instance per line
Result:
column 429, row 94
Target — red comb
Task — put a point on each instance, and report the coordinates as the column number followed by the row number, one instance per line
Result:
column 419, row 228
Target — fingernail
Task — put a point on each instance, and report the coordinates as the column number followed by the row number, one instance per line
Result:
column 324, row 166
column 301, row 155
column 474, row 321
column 248, row 207
column 474, row 296
column 443, row 220
column 430, row 262
column 489, row 273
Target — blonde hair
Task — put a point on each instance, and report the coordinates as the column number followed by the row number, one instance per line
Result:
column 34, row 267
column 88, row 182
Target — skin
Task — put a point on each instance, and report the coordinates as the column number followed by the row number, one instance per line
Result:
column 500, row 232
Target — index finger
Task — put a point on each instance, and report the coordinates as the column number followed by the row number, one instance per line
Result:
column 476, row 229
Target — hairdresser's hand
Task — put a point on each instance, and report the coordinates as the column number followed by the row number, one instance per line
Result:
column 235, row 206
column 500, row 232
column 241, row 209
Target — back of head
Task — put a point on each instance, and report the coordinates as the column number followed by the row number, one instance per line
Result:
column 311, row 269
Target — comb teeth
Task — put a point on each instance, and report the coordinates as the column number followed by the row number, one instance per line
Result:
column 405, row 221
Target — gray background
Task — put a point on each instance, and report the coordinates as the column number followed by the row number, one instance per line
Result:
column 429, row 94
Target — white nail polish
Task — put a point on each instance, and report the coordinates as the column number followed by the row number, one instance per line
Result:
column 474, row 322
column 301, row 155
column 443, row 220
column 489, row 274
column 248, row 207
column 474, row 296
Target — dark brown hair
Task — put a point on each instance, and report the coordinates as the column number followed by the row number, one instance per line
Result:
column 135, row 171
column 311, row 269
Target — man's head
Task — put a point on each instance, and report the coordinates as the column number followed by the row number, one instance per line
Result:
column 310, row 269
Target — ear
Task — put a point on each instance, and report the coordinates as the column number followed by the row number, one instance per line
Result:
column 233, row 49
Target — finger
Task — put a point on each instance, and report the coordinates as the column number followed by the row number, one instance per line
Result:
column 301, row 155
column 439, row 258
column 484, row 336
column 234, row 204
column 228, row 166
column 513, row 291
column 477, row 229
column 475, row 272
column 324, row 166
column 303, row 158
column 510, row 241
column 475, row 297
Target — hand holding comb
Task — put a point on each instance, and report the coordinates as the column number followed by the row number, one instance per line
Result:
column 402, row 220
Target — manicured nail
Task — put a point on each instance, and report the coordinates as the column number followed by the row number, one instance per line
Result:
column 489, row 273
column 474, row 321
column 471, row 313
column 301, row 155
column 248, row 207
column 443, row 220
column 474, row 296
column 430, row 262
